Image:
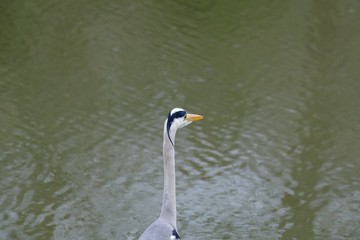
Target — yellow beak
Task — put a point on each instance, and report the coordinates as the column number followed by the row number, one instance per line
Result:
column 193, row 117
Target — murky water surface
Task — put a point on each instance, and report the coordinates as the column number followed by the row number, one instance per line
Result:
column 85, row 87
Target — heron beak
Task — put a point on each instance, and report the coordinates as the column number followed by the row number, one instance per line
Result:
column 193, row 117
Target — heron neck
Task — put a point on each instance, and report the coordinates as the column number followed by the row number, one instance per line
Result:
column 168, row 209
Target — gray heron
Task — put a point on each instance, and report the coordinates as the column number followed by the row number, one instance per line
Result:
column 164, row 228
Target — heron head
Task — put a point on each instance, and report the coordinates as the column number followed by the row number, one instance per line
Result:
column 179, row 118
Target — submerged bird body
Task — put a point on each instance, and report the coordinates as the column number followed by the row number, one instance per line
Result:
column 164, row 228
column 160, row 230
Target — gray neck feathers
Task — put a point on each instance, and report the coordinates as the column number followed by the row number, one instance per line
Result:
column 168, row 209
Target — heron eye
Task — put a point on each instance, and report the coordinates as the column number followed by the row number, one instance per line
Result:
column 185, row 116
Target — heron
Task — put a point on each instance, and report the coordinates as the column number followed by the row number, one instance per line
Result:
column 164, row 228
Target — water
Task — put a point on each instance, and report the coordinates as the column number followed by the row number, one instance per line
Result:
column 85, row 88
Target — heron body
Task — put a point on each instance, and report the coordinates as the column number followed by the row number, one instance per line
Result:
column 164, row 228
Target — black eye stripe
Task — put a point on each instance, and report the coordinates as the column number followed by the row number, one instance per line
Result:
column 179, row 114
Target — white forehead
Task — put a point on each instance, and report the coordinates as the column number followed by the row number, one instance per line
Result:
column 176, row 110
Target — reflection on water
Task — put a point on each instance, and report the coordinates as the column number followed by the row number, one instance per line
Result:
column 86, row 87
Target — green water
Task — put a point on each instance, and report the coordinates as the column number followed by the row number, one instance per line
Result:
column 86, row 85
